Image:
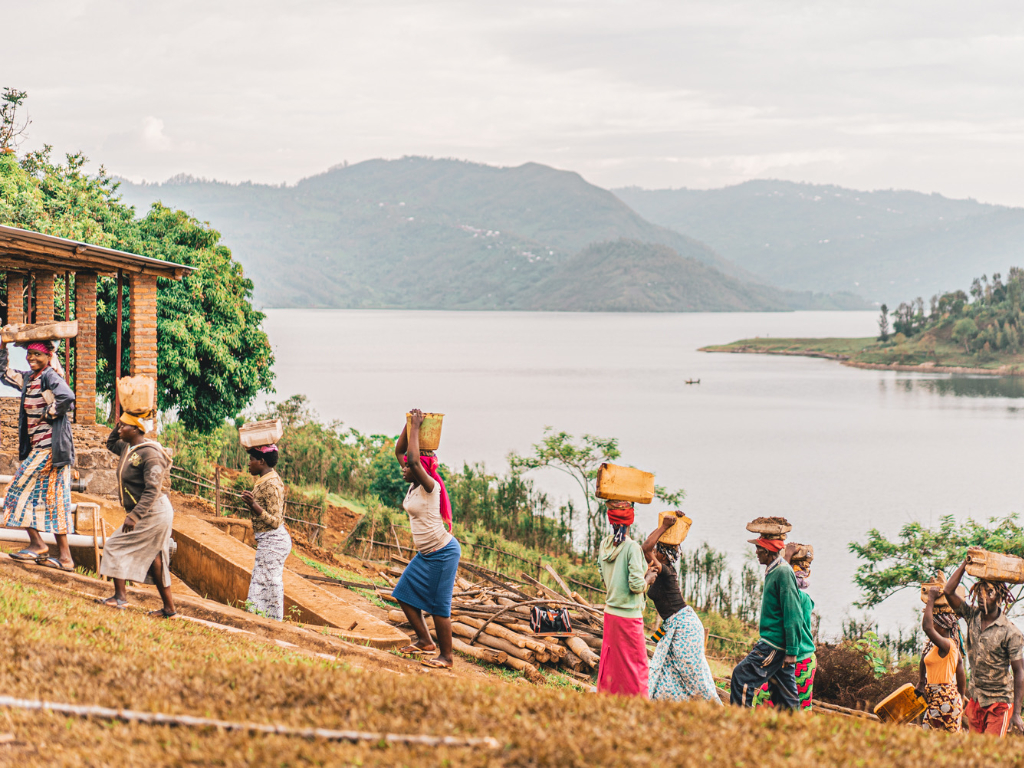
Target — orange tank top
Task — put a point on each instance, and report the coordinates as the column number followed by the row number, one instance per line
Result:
column 941, row 670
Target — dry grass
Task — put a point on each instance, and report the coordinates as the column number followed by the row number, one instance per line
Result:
column 59, row 647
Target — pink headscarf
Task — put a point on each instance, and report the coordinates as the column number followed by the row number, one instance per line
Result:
column 430, row 464
column 48, row 348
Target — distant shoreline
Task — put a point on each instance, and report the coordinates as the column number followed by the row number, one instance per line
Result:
column 845, row 349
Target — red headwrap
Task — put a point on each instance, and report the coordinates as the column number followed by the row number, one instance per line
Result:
column 620, row 512
column 772, row 545
column 430, row 463
column 40, row 346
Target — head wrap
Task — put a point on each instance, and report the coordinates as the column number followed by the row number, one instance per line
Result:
column 670, row 551
column 803, row 576
column 46, row 347
column 430, row 464
column 620, row 512
column 944, row 617
column 272, row 448
column 772, row 545
column 142, row 422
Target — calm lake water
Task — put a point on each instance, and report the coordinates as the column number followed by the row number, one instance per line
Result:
column 836, row 450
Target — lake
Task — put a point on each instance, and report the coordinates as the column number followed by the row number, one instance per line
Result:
column 835, row 450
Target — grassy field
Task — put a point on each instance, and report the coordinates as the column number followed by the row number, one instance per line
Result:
column 60, row 647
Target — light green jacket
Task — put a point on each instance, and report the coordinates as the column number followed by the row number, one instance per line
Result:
column 623, row 569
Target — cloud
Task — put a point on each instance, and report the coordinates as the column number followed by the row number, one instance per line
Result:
column 153, row 135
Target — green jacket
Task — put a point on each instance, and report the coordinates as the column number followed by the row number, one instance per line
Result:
column 623, row 569
column 782, row 611
column 805, row 638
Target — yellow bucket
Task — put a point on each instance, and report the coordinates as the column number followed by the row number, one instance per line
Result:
column 430, row 430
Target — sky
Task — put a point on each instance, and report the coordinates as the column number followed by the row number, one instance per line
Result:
column 870, row 95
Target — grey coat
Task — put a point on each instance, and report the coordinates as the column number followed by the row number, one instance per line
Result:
column 62, row 446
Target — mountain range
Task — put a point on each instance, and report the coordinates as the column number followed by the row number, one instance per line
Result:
column 447, row 234
column 888, row 246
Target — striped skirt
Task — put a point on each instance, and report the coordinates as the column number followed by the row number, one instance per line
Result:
column 804, row 674
column 40, row 495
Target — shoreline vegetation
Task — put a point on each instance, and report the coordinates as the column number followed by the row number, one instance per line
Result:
column 871, row 354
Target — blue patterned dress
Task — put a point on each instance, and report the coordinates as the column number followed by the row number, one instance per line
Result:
column 679, row 669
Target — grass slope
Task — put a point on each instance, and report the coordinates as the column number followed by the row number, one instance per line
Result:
column 423, row 233
column 886, row 245
column 60, row 647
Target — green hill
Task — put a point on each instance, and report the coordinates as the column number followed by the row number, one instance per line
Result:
column 884, row 245
column 445, row 234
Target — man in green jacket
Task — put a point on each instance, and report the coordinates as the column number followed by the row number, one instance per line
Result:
column 773, row 658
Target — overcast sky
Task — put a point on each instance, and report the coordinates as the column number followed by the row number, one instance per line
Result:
column 921, row 95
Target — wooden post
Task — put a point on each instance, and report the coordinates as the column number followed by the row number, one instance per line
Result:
column 85, row 348
column 67, row 316
column 216, row 490
column 28, row 312
column 117, row 343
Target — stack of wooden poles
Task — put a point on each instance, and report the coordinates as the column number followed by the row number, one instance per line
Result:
column 491, row 622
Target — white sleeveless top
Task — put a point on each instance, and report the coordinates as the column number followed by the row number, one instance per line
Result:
column 428, row 531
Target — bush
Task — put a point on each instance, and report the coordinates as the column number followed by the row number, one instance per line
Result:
column 846, row 677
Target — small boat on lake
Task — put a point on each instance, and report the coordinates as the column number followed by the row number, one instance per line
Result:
column 693, row 381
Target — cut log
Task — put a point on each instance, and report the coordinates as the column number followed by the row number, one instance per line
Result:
column 464, row 630
column 529, row 671
column 545, row 591
column 581, row 649
column 558, row 580
column 480, row 653
column 572, row 661
column 463, row 584
column 593, row 642
column 498, row 630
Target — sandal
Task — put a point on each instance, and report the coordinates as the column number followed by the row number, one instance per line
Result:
column 27, row 556
column 53, row 562
column 162, row 612
column 435, row 664
column 413, row 650
column 113, row 602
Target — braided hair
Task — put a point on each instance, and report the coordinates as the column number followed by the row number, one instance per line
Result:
column 946, row 620
column 1004, row 596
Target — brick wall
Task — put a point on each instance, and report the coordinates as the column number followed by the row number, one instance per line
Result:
column 85, row 344
column 142, row 325
column 15, row 298
column 43, row 307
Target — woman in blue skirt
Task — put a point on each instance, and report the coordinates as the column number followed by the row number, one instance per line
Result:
column 426, row 585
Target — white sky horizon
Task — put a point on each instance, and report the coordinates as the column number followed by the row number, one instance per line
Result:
column 651, row 93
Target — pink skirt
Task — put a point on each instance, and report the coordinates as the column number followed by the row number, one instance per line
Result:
column 623, row 668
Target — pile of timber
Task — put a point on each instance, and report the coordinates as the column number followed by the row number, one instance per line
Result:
column 491, row 622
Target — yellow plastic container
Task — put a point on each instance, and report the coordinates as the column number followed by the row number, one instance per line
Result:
column 939, row 581
column 430, row 430
column 625, row 484
column 137, row 394
column 900, row 706
column 675, row 535
column 992, row 566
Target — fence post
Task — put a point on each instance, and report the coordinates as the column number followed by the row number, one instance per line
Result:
column 538, row 569
column 216, row 490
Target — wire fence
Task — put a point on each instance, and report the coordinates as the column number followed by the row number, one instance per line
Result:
column 309, row 517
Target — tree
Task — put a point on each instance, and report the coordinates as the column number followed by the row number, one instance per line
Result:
column 213, row 356
column 883, row 324
column 581, row 461
column 964, row 332
column 11, row 127
column 891, row 566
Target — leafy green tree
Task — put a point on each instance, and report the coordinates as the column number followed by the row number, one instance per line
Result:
column 388, row 484
column 883, row 324
column 12, row 126
column 890, row 566
column 964, row 332
column 581, row 461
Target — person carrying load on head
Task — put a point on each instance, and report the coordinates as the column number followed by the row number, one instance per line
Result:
column 273, row 542
column 140, row 550
column 994, row 647
column 773, row 658
column 679, row 670
column 39, row 497
column 943, row 680
column 799, row 556
column 427, row 584
column 623, row 668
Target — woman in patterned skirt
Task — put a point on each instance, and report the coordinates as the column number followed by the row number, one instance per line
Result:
column 943, row 680
column 679, row 670
column 39, row 497
column 273, row 544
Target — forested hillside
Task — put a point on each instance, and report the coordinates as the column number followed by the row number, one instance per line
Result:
column 883, row 245
column 445, row 234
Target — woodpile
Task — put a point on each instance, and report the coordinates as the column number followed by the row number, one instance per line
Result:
column 491, row 622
